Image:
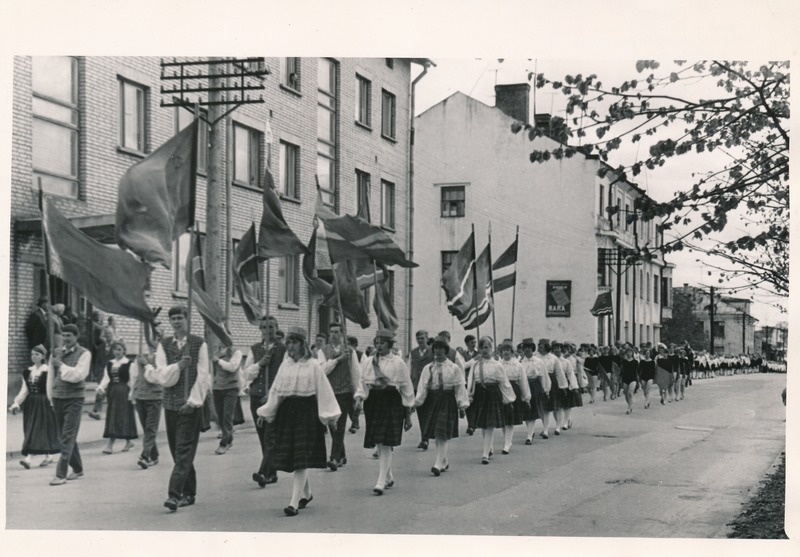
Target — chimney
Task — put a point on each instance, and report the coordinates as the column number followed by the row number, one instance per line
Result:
column 541, row 121
column 514, row 100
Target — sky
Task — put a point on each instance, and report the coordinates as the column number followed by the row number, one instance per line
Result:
column 477, row 77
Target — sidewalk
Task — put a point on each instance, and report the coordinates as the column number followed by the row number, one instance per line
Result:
column 90, row 434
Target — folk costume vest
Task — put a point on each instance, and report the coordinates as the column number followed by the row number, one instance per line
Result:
column 176, row 396
column 120, row 375
column 64, row 389
column 339, row 378
column 37, row 386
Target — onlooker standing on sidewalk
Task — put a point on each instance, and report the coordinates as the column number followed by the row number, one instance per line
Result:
column 147, row 397
column 120, row 417
column 69, row 367
column 36, row 329
column 226, row 392
column 38, row 420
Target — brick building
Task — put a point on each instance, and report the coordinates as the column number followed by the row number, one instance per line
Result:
column 80, row 122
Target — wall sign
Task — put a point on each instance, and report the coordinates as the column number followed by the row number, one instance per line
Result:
column 559, row 298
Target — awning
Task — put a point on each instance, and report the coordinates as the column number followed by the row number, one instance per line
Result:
column 602, row 305
column 97, row 227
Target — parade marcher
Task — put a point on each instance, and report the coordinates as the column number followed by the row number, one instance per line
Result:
column 38, row 420
column 147, row 396
column 470, row 350
column 421, row 356
column 387, row 396
column 182, row 368
column 352, row 342
column 441, row 387
column 299, row 405
column 115, row 386
column 539, row 387
column 647, row 375
column 341, row 368
column 69, row 368
column 489, row 389
column 569, row 363
column 629, row 376
column 319, row 343
column 557, row 400
column 663, row 363
column 605, row 364
column 516, row 411
column 590, row 365
column 225, row 391
column 260, row 368
column 682, row 375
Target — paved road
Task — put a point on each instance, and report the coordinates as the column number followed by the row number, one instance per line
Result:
column 676, row 471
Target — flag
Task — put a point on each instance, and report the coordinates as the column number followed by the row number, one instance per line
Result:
column 275, row 238
column 350, row 237
column 208, row 309
column 156, row 199
column 483, row 268
column 245, row 275
column 505, row 263
column 602, row 305
column 384, row 308
column 112, row 279
column 320, row 286
column 350, row 294
column 458, row 283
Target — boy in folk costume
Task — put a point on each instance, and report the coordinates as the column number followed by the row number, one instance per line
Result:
column 182, row 368
column 147, row 396
column 226, row 392
column 421, row 356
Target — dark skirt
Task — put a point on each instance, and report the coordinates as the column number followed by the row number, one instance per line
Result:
column 120, row 416
column 39, row 425
column 299, row 435
column 515, row 412
column 538, row 401
column 384, row 413
column 423, row 412
column 441, row 420
column 558, row 397
column 487, row 406
column 575, row 398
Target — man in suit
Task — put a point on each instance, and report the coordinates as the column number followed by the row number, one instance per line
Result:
column 36, row 329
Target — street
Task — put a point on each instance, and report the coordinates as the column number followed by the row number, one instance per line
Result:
column 675, row 471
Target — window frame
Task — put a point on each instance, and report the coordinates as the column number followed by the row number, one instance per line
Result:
column 202, row 136
column 290, row 66
column 328, row 150
column 254, row 140
column 386, row 185
column 178, row 278
column 288, row 285
column 389, row 133
column 141, row 118
column 445, row 255
column 363, row 105
column 363, row 190
column 289, row 152
column 462, row 203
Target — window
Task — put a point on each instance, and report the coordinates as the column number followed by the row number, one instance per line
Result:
column 641, row 284
column 719, row 329
column 327, row 131
column 641, row 333
column 627, row 337
column 289, row 170
column 655, row 289
column 55, row 124
column 287, row 280
column 387, row 204
column 647, row 290
column 180, row 251
column 183, row 118
column 388, row 115
column 619, row 206
column 627, row 212
column 362, row 195
column 246, row 156
column 390, row 62
column 601, row 212
column 447, row 259
column 453, row 200
column 626, row 272
column 132, row 116
column 363, row 101
column 291, row 73
column 602, row 270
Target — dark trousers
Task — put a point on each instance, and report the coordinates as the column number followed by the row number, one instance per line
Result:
column 183, row 433
column 149, row 416
column 345, row 401
column 225, row 407
column 353, row 413
column 98, row 402
column 266, row 436
column 68, row 421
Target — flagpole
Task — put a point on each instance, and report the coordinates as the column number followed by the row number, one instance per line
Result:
column 339, row 298
column 50, row 324
column 375, row 280
column 491, row 284
column 190, row 289
column 514, row 291
column 475, row 284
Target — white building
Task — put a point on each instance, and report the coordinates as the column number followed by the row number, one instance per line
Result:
column 471, row 169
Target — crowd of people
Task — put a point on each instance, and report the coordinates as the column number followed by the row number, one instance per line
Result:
column 302, row 390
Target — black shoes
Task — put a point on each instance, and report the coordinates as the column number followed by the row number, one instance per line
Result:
column 423, row 445
column 186, row 501
column 304, row 502
column 332, row 466
column 172, row 504
column 436, row 471
column 291, row 511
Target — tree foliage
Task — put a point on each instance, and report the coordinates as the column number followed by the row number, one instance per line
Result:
column 744, row 123
column 684, row 325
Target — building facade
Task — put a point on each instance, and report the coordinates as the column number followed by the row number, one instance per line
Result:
column 80, row 122
column 470, row 169
column 733, row 328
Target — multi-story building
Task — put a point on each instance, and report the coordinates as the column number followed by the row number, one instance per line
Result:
column 471, row 169
column 80, row 122
column 733, row 328
column 771, row 342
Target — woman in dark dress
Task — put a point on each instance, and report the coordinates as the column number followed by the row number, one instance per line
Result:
column 647, row 373
column 38, row 420
column 663, row 363
column 120, row 415
column 590, row 365
column 300, row 405
column 629, row 376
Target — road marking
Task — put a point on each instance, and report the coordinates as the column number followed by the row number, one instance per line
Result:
column 694, row 428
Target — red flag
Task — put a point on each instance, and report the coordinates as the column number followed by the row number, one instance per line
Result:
column 157, row 199
column 245, row 275
column 112, row 279
column 275, row 239
column 209, row 310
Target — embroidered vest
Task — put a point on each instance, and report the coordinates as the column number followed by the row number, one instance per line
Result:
column 175, row 397
column 418, row 363
column 39, row 386
column 65, row 389
column 120, row 375
column 145, row 390
column 339, row 378
column 224, row 380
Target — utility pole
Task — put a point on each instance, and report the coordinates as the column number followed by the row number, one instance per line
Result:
column 711, row 316
column 744, row 329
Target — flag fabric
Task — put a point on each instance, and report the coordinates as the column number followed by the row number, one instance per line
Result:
column 112, row 279
column 384, row 308
column 156, row 201
column 350, row 294
column 351, row 237
column 319, row 285
column 245, row 275
column 602, row 305
column 458, row 283
column 275, row 238
column 507, row 277
column 209, row 310
column 483, row 269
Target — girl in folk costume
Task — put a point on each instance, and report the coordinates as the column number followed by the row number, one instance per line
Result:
column 300, row 404
column 571, row 370
column 387, row 396
column 441, row 388
column 515, row 412
column 120, row 415
column 629, row 376
column 489, row 389
column 539, row 387
column 663, row 363
column 647, row 374
column 38, row 420
column 557, row 401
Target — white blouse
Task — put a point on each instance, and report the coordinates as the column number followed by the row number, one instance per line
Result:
column 36, row 371
column 395, row 374
column 488, row 372
column 438, row 376
column 569, row 371
column 515, row 372
column 302, row 378
column 553, row 366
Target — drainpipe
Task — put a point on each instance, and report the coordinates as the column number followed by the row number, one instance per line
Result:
column 410, row 274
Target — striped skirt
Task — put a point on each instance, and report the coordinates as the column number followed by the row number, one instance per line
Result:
column 384, row 413
column 538, row 401
column 487, row 406
column 299, row 435
column 441, row 420
column 515, row 412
